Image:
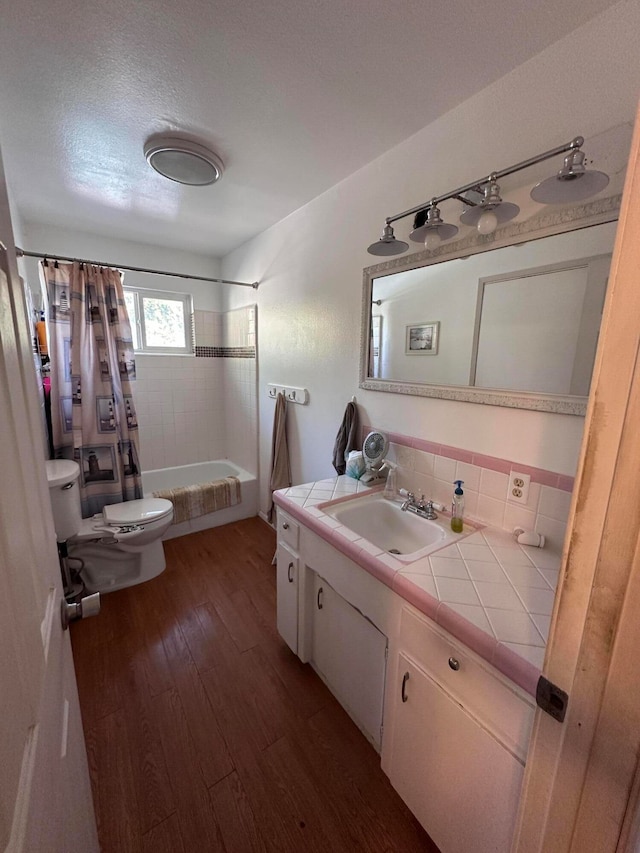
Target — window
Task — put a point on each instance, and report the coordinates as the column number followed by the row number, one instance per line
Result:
column 160, row 321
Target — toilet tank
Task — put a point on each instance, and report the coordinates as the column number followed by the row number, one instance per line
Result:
column 64, row 492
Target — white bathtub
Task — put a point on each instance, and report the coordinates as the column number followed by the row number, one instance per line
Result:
column 204, row 472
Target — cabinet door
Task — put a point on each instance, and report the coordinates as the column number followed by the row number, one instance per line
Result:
column 458, row 780
column 350, row 654
column 287, row 596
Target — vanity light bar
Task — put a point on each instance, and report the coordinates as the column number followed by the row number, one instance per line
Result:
column 393, row 246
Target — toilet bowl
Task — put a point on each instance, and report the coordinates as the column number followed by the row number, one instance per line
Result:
column 119, row 547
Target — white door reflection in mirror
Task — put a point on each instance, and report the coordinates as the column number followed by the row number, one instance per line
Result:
column 548, row 320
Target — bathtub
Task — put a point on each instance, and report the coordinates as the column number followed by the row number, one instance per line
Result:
column 204, row 472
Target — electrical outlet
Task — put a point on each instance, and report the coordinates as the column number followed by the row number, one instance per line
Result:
column 518, row 491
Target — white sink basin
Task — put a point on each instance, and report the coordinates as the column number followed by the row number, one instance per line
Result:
column 381, row 522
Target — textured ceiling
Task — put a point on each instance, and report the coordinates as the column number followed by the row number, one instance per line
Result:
column 293, row 95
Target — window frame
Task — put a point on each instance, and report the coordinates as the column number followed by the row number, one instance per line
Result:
column 186, row 299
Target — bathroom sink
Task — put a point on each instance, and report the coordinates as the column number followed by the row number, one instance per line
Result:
column 382, row 522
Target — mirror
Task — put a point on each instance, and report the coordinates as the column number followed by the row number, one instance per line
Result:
column 509, row 319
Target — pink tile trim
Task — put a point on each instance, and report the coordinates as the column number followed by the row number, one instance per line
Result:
column 348, row 497
column 494, row 463
column 415, row 595
column 312, row 522
column 539, row 475
column 566, row 483
column 426, row 446
column 348, row 547
column 524, row 673
column 383, row 573
column 466, row 631
column 456, row 453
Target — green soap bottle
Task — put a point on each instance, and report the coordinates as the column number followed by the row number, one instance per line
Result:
column 457, row 507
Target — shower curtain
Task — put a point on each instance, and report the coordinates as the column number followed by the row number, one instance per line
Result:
column 92, row 367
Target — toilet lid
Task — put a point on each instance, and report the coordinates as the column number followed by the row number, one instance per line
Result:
column 61, row 471
column 137, row 512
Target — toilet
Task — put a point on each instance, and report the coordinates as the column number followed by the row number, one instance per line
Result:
column 119, row 547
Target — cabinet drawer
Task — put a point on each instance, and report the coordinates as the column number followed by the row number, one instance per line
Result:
column 288, row 530
column 497, row 703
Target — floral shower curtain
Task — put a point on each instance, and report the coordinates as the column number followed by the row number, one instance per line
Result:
column 92, row 366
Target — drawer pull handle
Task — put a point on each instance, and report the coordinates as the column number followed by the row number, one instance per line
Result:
column 454, row 664
column 405, row 678
column 290, row 572
column 320, row 591
column 285, row 525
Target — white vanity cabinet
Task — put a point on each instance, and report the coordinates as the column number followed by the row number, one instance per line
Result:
column 335, row 616
column 349, row 653
column 455, row 731
column 456, row 736
column 288, row 579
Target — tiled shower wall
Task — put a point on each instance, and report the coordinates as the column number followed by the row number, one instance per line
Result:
column 430, row 469
column 193, row 409
column 240, row 387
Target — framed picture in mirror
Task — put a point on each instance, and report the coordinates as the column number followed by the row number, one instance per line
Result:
column 422, row 338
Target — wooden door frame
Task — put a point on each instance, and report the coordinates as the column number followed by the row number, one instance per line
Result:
column 581, row 773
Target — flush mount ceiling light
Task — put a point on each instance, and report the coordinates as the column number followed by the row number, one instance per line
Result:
column 572, row 183
column 183, row 161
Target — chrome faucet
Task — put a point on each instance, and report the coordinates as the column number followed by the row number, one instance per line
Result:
column 422, row 508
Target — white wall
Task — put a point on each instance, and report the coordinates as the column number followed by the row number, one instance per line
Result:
column 310, row 264
column 94, row 247
column 16, row 223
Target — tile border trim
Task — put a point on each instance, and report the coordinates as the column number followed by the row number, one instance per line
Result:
column 493, row 463
column 224, row 352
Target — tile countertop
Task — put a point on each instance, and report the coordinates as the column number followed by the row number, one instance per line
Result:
column 489, row 592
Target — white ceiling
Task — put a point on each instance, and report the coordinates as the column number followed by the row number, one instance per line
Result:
column 294, row 96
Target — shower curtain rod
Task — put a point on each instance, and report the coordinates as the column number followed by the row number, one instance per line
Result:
column 21, row 253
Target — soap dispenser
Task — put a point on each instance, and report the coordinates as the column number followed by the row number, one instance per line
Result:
column 457, row 507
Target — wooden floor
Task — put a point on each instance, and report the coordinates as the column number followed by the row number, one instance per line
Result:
column 205, row 733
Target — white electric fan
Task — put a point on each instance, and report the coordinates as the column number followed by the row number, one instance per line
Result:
column 374, row 450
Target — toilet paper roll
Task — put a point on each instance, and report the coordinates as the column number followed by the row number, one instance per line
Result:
column 530, row 537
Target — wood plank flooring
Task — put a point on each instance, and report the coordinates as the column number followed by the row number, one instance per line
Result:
column 206, row 733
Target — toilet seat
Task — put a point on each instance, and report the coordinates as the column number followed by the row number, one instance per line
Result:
column 133, row 523
column 138, row 513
